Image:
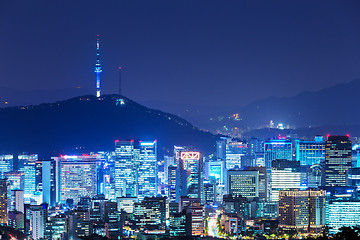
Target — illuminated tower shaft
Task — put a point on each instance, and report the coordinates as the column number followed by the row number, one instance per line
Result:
column 98, row 68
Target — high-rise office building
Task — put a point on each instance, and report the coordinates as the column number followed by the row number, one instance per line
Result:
column 243, row 183
column 6, row 164
column 342, row 214
column 38, row 217
column 302, row 210
column 97, row 208
column 197, row 218
column 337, row 160
column 17, row 200
column 197, row 211
column 27, row 163
column 236, row 151
column 76, row 177
column 284, row 175
column 45, row 180
column 263, row 184
column 125, row 169
column 3, row 202
column 111, row 220
column 209, row 193
column 221, row 149
column 173, row 189
column 310, row 152
column 147, row 170
column 191, row 182
column 216, row 170
column 277, row 149
column 313, row 175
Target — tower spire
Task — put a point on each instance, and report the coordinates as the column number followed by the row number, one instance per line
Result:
column 98, row 68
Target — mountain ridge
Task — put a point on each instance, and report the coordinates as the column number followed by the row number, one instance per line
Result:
column 86, row 123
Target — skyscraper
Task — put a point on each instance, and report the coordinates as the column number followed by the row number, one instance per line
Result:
column 28, row 166
column 147, row 170
column 125, row 169
column 337, row 160
column 236, row 151
column 277, row 149
column 172, row 186
column 216, row 170
column 191, row 175
column 284, row 175
column 310, row 152
column 76, row 177
column 243, row 183
column 45, row 180
column 263, row 184
column 17, row 200
column 302, row 210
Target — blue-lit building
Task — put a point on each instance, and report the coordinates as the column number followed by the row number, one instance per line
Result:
column 173, row 189
column 28, row 166
column 147, row 169
column 278, row 149
column 191, row 180
column 236, row 151
column 125, row 169
column 6, row 164
column 45, row 179
column 216, row 170
column 310, row 152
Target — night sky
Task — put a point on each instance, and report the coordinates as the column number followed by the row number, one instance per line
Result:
column 197, row 52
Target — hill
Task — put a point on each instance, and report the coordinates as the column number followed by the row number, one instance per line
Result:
column 333, row 106
column 86, row 123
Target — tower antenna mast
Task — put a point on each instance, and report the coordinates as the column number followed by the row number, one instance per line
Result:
column 98, row 68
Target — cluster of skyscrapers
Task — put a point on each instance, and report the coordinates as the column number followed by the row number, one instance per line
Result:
column 246, row 187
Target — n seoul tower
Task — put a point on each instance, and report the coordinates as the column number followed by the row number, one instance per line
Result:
column 98, row 68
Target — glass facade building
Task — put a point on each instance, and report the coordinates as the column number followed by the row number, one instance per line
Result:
column 125, row 169
column 6, row 164
column 310, row 152
column 147, row 170
column 277, row 149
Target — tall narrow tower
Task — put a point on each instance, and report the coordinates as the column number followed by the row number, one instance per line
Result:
column 98, row 68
